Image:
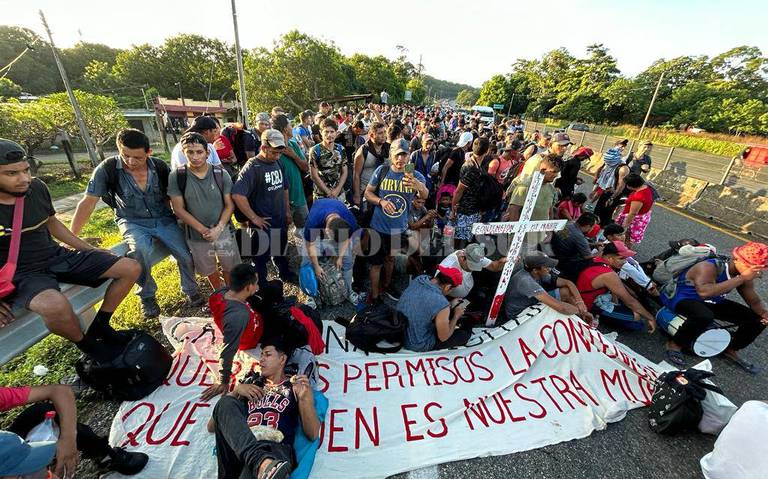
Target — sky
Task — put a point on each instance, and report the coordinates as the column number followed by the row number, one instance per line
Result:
column 458, row 40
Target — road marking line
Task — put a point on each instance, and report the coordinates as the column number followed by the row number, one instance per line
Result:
column 431, row 472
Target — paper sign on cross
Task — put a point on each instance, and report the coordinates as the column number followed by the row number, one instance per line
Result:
column 519, row 228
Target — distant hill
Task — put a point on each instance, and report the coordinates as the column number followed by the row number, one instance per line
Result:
column 445, row 89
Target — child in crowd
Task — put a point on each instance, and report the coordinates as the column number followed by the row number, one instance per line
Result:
column 420, row 222
column 571, row 208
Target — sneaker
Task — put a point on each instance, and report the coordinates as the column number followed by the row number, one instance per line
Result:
column 353, row 298
column 123, row 462
column 311, row 302
column 79, row 388
column 150, row 308
column 196, row 300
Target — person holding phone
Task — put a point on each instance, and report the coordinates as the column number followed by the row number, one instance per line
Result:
column 433, row 321
column 391, row 191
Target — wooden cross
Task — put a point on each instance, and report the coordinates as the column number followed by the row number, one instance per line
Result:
column 519, row 228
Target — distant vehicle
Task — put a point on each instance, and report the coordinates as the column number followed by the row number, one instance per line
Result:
column 487, row 114
column 578, row 127
column 696, row 129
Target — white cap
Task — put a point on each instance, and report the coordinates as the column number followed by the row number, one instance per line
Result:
column 464, row 139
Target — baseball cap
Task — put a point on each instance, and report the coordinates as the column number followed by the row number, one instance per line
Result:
column 263, row 116
column 537, row 259
column 464, row 139
column 624, row 252
column 622, row 142
column 398, row 149
column 648, row 142
column 273, row 138
column 427, row 137
column 11, row 152
column 562, row 139
column 474, row 254
column 583, row 152
column 752, row 253
column 453, row 274
column 18, row 457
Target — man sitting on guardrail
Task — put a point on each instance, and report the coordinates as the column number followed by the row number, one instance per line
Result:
column 135, row 185
column 42, row 263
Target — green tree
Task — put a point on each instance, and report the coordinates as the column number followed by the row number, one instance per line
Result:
column 416, row 85
column 8, row 88
column 296, row 72
column 101, row 115
column 35, row 71
column 467, row 97
column 495, row 90
column 580, row 91
column 77, row 58
column 375, row 74
column 30, row 124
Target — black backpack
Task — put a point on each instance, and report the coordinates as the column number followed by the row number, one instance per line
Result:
column 490, row 191
column 377, row 322
column 110, row 168
column 676, row 402
column 135, row 373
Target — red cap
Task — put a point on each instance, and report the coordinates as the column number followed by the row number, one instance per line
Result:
column 452, row 274
column 584, row 152
column 624, row 252
column 754, row 254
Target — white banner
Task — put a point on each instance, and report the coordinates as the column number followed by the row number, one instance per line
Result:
column 551, row 379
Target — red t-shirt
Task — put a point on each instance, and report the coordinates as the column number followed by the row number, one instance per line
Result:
column 13, row 397
column 644, row 195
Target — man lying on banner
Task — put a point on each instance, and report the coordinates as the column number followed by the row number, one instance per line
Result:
column 600, row 286
column 538, row 282
column 256, row 424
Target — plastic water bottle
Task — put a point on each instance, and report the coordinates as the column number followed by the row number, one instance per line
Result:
column 46, row 431
column 448, row 232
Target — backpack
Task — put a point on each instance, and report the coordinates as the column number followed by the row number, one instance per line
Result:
column 218, row 178
column 375, row 323
column 676, row 402
column 490, row 191
column 236, row 137
column 136, row 372
column 332, row 291
column 666, row 273
column 110, row 169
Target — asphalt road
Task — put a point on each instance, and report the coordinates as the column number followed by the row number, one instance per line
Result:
column 629, row 449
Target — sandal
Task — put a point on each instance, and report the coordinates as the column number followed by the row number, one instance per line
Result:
column 675, row 357
column 276, row 470
column 744, row 364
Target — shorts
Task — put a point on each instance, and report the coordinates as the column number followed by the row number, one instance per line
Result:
column 205, row 254
column 383, row 245
column 83, row 268
column 464, row 224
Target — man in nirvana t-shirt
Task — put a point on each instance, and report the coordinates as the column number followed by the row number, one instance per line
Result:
column 256, row 424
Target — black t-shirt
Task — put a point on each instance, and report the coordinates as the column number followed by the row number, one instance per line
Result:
column 454, row 172
column 37, row 247
column 278, row 409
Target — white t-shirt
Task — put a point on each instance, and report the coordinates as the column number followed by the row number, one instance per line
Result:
column 741, row 450
column 467, row 281
column 178, row 159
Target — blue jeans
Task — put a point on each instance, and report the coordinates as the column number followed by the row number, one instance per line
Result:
column 144, row 237
column 328, row 248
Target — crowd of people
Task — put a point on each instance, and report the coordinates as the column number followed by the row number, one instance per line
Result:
column 355, row 190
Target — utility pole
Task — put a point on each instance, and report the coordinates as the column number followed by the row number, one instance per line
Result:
column 509, row 110
column 240, row 70
column 181, row 95
column 650, row 107
column 95, row 160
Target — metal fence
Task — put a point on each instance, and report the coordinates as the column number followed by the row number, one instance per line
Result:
column 719, row 170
